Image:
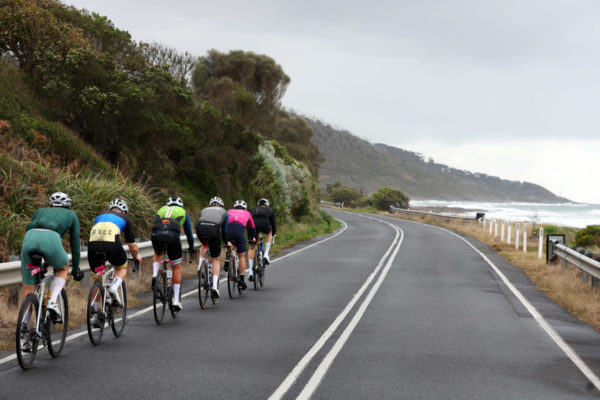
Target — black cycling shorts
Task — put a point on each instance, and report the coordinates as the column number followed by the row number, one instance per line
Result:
column 171, row 240
column 263, row 225
column 236, row 234
column 210, row 234
column 112, row 250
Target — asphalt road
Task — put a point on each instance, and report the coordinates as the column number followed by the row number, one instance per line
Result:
column 386, row 309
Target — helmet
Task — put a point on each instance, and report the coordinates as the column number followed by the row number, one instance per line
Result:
column 263, row 201
column 240, row 204
column 175, row 201
column 119, row 205
column 216, row 200
column 60, row 199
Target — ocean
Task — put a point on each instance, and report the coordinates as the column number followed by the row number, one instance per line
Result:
column 567, row 214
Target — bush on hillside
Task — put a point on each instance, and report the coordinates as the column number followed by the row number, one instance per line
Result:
column 387, row 196
column 589, row 236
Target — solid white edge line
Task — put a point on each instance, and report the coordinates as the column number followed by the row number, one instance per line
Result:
column 191, row 292
column 328, row 360
column 291, row 378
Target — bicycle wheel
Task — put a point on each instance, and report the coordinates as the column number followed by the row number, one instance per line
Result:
column 95, row 315
column 237, row 273
column 261, row 271
column 27, row 339
column 56, row 327
column 231, row 277
column 256, row 269
column 159, row 299
column 119, row 313
column 203, row 284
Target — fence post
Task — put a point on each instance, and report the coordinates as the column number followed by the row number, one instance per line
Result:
column 564, row 264
column 541, row 245
column 509, row 232
column 491, row 225
column 502, row 230
column 517, row 232
column 524, row 238
column 483, row 222
column 496, row 229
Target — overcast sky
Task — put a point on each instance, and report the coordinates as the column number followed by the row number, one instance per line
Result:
column 505, row 87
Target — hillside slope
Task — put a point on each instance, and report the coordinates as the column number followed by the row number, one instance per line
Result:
column 357, row 163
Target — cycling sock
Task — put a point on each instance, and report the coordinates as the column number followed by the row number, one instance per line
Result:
column 267, row 248
column 215, row 281
column 155, row 268
column 250, row 264
column 57, row 286
column 116, row 282
column 200, row 262
column 176, row 287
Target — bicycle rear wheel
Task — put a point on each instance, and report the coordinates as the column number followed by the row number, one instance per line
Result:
column 119, row 313
column 203, row 284
column 27, row 339
column 261, row 271
column 56, row 327
column 231, row 277
column 237, row 273
column 159, row 298
column 95, row 315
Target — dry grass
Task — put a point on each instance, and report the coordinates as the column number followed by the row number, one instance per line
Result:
column 565, row 287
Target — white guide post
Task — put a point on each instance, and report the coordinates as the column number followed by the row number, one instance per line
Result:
column 541, row 245
column 483, row 223
column 524, row 238
column 502, row 231
column 496, row 228
column 491, row 226
column 517, row 231
column 509, row 232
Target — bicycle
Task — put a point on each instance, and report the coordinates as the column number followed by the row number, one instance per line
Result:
column 233, row 273
column 204, row 283
column 162, row 290
column 35, row 323
column 258, row 269
column 101, row 306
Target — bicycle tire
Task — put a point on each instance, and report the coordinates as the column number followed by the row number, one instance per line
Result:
column 159, row 297
column 231, row 277
column 56, row 330
column 203, row 284
column 95, row 332
column 261, row 271
column 119, row 313
column 25, row 356
column 237, row 273
column 255, row 267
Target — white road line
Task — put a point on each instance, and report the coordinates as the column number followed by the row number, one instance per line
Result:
column 191, row 292
column 555, row 336
column 322, row 369
column 299, row 368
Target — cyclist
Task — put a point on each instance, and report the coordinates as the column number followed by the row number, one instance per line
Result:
column 264, row 218
column 168, row 222
column 210, row 229
column 43, row 235
column 240, row 220
column 105, row 237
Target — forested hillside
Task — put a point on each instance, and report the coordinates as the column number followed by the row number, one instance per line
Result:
column 356, row 163
column 87, row 110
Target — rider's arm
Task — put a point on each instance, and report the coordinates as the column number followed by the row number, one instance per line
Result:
column 187, row 228
column 252, row 230
column 272, row 221
column 75, row 245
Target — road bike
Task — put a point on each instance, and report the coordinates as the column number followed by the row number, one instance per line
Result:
column 35, row 324
column 100, row 307
column 231, row 266
column 204, row 282
column 162, row 290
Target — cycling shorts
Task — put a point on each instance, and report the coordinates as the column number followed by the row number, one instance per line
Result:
column 263, row 225
column 112, row 250
column 49, row 245
column 210, row 234
column 171, row 240
column 236, row 234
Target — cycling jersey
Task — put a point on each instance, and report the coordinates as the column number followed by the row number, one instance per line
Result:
column 264, row 218
column 170, row 217
column 105, row 237
column 212, row 227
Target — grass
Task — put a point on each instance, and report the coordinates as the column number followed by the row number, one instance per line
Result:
column 290, row 234
column 565, row 287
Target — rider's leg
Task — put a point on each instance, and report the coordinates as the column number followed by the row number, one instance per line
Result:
column 156, row 259
column 202, row 257
column 25, row 290
column 176, row 281
column 269, row 239
column 216, row 267
column 242, row 257
column 251, row 252
column 60, row 278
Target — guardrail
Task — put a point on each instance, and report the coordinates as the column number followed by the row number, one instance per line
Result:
column 10, row 272
column 589, row 266
column 331, row 203
column 396, row 210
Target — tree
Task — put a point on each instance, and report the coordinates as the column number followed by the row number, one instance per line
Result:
column 346, row 195
column 387, row 196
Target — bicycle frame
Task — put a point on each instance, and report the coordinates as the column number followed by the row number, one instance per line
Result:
column 106, row 275
column 40, row 291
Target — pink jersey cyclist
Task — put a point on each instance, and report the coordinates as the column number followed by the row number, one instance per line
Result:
column 239, row 220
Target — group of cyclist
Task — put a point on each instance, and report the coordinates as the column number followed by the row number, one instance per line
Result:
column 214, row 226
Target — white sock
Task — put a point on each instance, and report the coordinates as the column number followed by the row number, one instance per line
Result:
column 155, row 268
column 176, row 287
column 200, row 262
column 267, row 248
column 57, row 286
column 250, row 264
column 215, row 282
column 116, row 282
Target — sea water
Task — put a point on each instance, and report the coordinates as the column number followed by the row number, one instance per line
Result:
column 577, row 215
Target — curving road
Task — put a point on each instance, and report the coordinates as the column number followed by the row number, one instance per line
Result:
column 385, row 309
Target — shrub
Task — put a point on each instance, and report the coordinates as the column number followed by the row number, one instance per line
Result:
column 589, row 236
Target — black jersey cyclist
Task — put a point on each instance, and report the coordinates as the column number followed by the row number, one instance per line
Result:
column 168, row 222
column 43, row 235
column 105, row 237
column 211, row 228
column 264, row 219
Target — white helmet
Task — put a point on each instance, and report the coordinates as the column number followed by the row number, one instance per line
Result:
column 175, row 201
column 263, row 201
column 119, row 205
column 240, row 204
column 216, row 200
column 60, row 199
